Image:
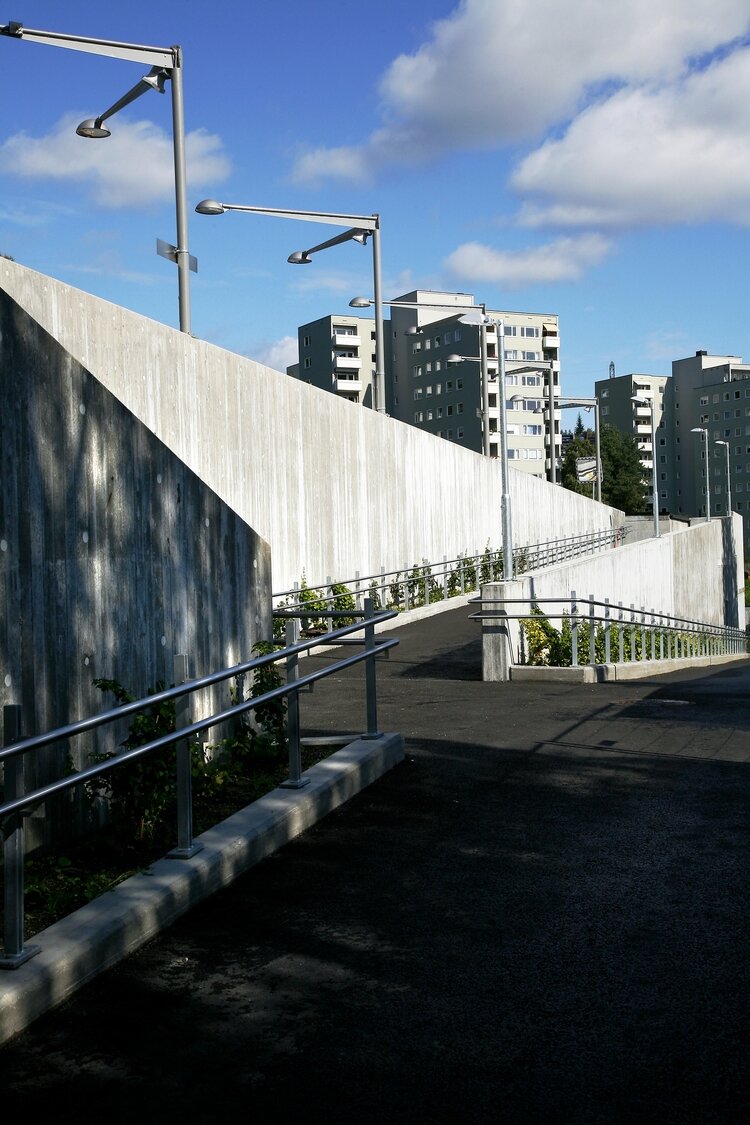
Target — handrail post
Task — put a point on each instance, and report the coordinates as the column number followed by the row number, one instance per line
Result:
column 370, row 675
column 621, row 632
column 186, row 847
column 445, row 578
column 607, row 629
column 592, row 632
column 295, row 779
column 633, row 649
column 15, row 953
column 573, row 629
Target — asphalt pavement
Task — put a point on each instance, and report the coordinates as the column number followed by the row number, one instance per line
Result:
column 542, row 915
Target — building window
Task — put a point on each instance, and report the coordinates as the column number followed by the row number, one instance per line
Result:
column 449, row 410
column 456, row 334
column 428, row 390
column 459, row 408
column 510, row 329
column 308, row 361
column 438, row 388
column 704, row 400
column 418, row 393
column 459, row 432
column 419, row 417
column 305, row 341
column 416, row 372
column 440, row 412
column 429, row 415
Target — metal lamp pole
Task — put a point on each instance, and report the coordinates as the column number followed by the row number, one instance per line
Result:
column 362, row 227
column 165, row 62
column 704, row 431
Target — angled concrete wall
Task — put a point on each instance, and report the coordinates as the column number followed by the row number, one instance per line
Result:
column 332, row 488
column 113, row 554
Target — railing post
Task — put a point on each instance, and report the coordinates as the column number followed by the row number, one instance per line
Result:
column 407, row 573
column 633, row 649
column 185, row 845
column 371, row 675
column 461, row 573
column 621, row 632
column 295, row 779
column 357, row 592
column 592, row 632
column 573, row 629
column 445, row 578
column 329, row 601
column 15, row 953
column 607, row 627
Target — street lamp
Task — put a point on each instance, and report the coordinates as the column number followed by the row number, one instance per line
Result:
column 588, row 404
column 361, row 227
column 729, row 479
column 165, row 63
column 704, row 431
column 644, row 400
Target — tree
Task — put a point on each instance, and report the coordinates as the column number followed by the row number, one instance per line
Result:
column 623, row 481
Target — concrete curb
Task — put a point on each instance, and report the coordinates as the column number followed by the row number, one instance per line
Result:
column 106, row 930
column 607, row 673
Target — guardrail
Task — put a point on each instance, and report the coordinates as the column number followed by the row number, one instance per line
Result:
column 422, row 584
column 611, row 633
column 19, row 803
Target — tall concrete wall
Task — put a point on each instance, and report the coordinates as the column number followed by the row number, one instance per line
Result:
column 113, row 554
column 332, row 488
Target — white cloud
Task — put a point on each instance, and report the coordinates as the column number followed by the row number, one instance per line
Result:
column 279, row 354
column 672, row 153
column 500, row 71
column 565, row 259
column 132, row 168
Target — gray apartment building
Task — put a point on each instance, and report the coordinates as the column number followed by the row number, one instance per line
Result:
column 616, row 408
column 433, row 377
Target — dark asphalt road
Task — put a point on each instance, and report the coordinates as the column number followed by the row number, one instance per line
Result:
column 541, row 916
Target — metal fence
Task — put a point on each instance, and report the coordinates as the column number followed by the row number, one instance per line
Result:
column 427, row 582
column 603, row 632
column 18, row 802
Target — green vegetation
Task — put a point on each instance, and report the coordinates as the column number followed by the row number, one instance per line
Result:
column 623, row 481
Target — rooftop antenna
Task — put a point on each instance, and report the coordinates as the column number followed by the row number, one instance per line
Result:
column 612, row 370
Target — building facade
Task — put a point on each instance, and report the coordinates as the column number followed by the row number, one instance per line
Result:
column 616, row 408
column 337, row 353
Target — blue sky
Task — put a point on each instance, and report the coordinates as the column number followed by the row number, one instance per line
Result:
column 560, row 156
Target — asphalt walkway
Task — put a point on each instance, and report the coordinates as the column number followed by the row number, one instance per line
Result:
column 541, row 916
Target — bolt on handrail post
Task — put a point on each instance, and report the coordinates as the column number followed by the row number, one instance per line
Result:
column 15, row 953
column 295, row 779
column 370, row 675
column 186, row 847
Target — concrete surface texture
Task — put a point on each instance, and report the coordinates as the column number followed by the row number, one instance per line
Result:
column 114, row 555
column 541, row 916
column 333, row 490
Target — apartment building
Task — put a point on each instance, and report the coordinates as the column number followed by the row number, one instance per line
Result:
column 435, row 377
column 616, row 408
column 337, row 353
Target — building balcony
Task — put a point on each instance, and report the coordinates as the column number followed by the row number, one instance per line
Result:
column 550, row 342
column 346, row 386
column 341, row 340
column 347, row 363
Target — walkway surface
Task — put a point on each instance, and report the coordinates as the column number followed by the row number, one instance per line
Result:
column 541, row 916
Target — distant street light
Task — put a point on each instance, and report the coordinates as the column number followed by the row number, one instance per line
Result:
column 644, row 400
column 362, row 227
column 729, row 479
column 702, row 430
column 165, row 63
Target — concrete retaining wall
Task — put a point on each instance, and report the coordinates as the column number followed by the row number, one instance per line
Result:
column 332, row 488
column 114, row 556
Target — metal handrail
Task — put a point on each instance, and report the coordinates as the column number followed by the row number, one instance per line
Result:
column 531, row 556
column 21, row 803
column 652, row 624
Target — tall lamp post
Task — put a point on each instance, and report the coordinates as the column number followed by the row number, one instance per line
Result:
column 704, row 431
column 729, row 478
column 362, row 227
column 589, row 404
column 165, row 63
column 644, row 400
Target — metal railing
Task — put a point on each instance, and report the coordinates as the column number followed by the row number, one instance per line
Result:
column 19, row 803
column 427, row 582
column 616, row 634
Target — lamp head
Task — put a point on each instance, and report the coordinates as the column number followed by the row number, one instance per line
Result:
column 92, row 128
column 360, row 303
column 361, row 237
column 698, row 430
column 454, row 359
column 210, row 207
column 300, row 258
